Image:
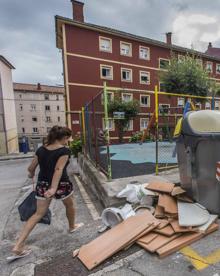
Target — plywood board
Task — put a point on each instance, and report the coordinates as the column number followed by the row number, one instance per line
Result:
column 148, row 238
column 159, row 212
column 180, row 229
column 167, row 231
column 161, row 187
column 163, row 223
column 98, row 250
column 182, row 241
column 168, row 203
column 177, row 191
column 158, row 242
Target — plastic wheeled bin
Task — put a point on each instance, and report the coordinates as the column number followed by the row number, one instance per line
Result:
column 198, row 151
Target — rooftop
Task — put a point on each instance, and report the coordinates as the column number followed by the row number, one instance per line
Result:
column 6, row 62
column 59, row 20
column 213, row 52
column 38, row 88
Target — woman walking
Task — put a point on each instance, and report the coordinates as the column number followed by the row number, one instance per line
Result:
column 53, row 182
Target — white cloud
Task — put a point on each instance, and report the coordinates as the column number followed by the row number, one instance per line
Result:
column 196, row 30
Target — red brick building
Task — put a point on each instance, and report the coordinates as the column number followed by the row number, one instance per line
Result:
column 93, row 54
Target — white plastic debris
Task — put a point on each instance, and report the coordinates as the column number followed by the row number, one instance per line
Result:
column 134, row 193
column 192, row 214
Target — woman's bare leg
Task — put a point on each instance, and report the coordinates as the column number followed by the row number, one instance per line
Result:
column 70, row 211
column 42, row 207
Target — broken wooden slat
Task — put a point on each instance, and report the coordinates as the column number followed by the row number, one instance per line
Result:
column 148, row 238
column 161, row 187
column 182, row 241
column 177, row 191
column 181, row 229
column 98, row 250
column 168, row 203
column 159, row 212
column 167, row 231
column 158, row 242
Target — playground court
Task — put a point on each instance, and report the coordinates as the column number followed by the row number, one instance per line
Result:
column 138, row 159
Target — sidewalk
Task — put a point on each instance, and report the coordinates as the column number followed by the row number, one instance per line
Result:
column 15, row 156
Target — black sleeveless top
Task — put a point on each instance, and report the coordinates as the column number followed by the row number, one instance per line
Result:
column 47, row 160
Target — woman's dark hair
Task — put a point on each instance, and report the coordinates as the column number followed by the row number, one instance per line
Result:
column 57, row 133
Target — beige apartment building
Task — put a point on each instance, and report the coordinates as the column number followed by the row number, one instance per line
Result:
column 8, row 125
column 38, row 108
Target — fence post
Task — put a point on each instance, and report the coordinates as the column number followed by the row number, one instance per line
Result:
column 156, row 125
column 213, row 103
column 83, row 127
column 94, row 132
column 107, row 131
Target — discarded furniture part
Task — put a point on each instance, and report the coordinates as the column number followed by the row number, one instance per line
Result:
column 205, row 226
column 177, row 191
column 159, row 212
column 157, row 243
column 115, row 239
column 161, row 187
column 181, row 229
column 168, row 203
column 184, row 240
column 141, row 208
column 184, row 198
column 163, row 223
column 146, row 239
column 192, row 214
column 166, row 231
column 198, row 151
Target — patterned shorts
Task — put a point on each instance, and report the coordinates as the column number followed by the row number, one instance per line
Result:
column 64, row 190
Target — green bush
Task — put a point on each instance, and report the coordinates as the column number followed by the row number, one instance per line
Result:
column 76, row 146
column 137, row 136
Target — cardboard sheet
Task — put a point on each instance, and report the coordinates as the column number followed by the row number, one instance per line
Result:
column 98, row 250
column 177, row 191
column 159, row 212
column 180, row 229
column 161, row 187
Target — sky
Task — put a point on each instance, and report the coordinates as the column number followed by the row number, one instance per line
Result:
column 27, row 29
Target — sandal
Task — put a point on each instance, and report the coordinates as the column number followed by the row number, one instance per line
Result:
column 19, row 255
column 76, row 227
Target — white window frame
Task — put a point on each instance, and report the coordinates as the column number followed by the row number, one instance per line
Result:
column 130, row 125
column 141, row 119
column 130, row 52
column 146, row 73
column 46, row 95
column 34, row 117
column 144, row 105
column 163, row 59
column 209, row 62
column 105, row 38
column 131, row 74
column 47, row 109
column 36, row 129
column 108, row 92
column 180, row 99
column 48, row 121
column 217, row 65
column 106, row 66
column 130, row 94
column 180, row 57
column 148, row 55
column 168, row 108
column 113, row 124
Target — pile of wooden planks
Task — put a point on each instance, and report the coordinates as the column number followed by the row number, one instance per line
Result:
column 158, row 233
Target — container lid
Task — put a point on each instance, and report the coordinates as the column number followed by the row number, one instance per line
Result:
column 202, row 122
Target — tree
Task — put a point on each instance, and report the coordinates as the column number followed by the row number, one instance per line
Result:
column 130, row 110
column 187, row 76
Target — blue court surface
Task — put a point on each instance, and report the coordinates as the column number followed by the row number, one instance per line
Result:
column 145, row 153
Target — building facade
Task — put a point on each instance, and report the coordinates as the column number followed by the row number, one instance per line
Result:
column 93, row 54
column 8, row 125
column 38, row 108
